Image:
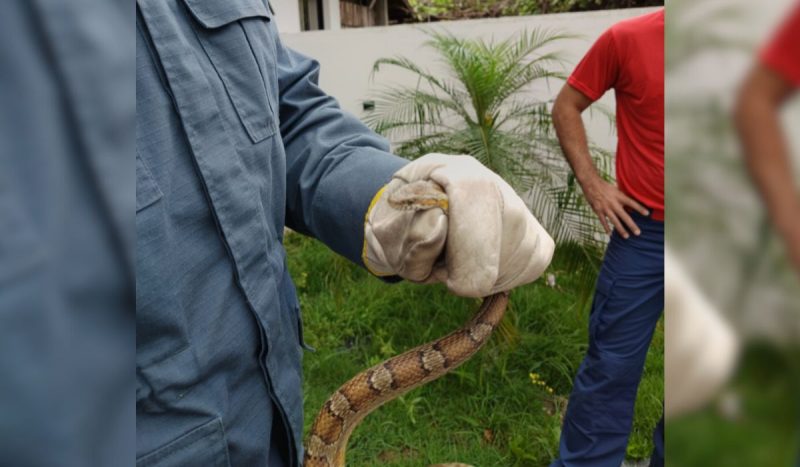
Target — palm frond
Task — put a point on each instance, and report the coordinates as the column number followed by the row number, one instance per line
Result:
column 483, row 105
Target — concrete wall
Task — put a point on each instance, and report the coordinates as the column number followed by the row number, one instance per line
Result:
column 347, row 55
column 288, row 15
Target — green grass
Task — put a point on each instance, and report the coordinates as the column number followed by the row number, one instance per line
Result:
column 487, row 412
column 765, row 432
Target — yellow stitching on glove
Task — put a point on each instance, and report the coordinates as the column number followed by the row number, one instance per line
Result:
column 372, row 204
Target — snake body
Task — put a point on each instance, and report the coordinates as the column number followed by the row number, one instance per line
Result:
column 371, row 388
column 368, row 390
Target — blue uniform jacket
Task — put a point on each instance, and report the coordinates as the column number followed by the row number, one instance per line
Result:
column 234, row 140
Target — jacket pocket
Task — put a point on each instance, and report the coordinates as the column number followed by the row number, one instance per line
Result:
column 161, row 384
column 299, row 316
column 291, row 301
column 229, row 32
column 204, row 445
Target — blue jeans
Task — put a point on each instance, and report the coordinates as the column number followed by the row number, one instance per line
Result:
column 627, row 305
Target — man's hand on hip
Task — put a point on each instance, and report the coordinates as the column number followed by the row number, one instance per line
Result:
column 609, row 203
column 486, row 242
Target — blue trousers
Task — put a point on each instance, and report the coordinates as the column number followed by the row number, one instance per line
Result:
column 627, row 305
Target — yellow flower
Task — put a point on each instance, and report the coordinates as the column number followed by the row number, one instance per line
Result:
column 537, row 381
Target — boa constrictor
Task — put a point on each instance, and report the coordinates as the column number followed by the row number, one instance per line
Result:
column 368, row 390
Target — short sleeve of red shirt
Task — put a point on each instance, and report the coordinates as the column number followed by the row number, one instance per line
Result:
column 597, row 71
column 782, row 53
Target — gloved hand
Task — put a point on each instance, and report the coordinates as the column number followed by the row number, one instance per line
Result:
column 701, row 348
column 486, row 242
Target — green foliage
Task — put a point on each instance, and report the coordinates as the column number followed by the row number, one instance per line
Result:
column 763, row 432
column 426, row 10
column 488, row 412
column 533, row 7
column 485, row 105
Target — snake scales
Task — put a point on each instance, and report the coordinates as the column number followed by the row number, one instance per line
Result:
column 368, row 390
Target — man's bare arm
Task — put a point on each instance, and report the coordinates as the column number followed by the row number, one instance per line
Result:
column 606, row 200
column 766, row 151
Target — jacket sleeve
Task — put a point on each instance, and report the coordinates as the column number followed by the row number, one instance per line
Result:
column 334, row 163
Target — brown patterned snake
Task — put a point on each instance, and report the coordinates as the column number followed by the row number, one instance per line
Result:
column 368, row 390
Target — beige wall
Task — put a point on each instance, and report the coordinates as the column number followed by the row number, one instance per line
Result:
column 346, row 56
column 288, row 15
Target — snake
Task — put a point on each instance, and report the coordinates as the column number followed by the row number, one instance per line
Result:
column 342, row 412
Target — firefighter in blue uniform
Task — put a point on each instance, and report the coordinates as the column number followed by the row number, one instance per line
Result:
column 235, row 140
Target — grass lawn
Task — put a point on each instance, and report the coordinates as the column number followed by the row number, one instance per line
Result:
column 765, row 431
column 488, row 412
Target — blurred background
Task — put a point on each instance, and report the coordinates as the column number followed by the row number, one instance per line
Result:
column 723, row 243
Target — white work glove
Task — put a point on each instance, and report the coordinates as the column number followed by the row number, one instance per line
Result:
column 701, row 348
column 486, row 242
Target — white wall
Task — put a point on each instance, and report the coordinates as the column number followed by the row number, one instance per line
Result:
column 346, row 56
column 287, row 14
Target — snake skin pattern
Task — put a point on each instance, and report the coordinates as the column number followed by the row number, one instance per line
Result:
column 368, row 390
column 371, row 388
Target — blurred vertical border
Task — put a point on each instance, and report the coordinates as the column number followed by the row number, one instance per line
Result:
column 67, row 232
column 718, row 231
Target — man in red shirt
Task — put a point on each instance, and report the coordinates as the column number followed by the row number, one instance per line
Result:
column 629, row 299
column 773, row 80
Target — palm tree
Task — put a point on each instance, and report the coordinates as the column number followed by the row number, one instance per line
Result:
column 485, row 106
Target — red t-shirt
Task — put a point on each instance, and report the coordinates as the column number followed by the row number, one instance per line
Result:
column 629, row 58
column 782, row 53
